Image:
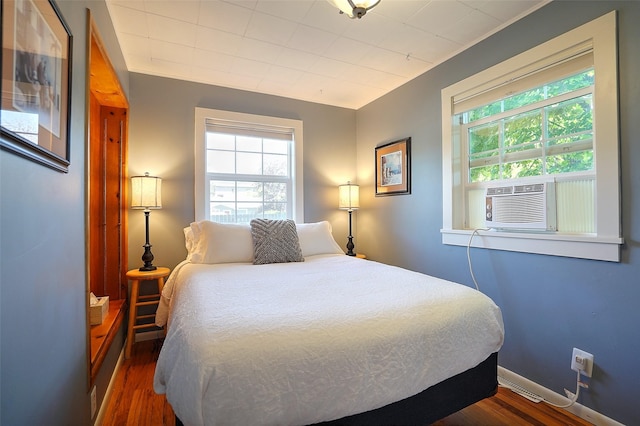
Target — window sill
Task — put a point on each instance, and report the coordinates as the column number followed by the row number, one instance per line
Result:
column 567, row 245
column 102, row 335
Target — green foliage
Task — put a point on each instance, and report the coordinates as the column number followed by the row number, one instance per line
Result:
column 521, row 130
column 570, row 117
column 484, row 140
column 551, row 139
column 572, row 162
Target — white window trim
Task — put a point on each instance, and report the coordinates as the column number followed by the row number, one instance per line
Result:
column 605, row 245
column 201, row 114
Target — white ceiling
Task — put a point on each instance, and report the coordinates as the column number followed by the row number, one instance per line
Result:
column 303, row 49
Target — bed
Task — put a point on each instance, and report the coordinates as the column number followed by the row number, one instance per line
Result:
column 316, row 336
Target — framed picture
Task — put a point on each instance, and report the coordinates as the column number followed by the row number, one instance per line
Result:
column 393, row 168
column 36, row 82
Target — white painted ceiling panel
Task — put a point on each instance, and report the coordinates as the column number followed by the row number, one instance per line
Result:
column 303, row 49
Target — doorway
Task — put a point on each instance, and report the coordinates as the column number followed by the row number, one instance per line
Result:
column 106, row 184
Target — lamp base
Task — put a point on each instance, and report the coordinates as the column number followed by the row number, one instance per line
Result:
column 147, row 268
column 350, row 247
column 350, row 244
column 147, row 258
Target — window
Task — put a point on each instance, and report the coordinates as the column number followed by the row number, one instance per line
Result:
column 547, row 130
column 548, row 113
column 247, row 166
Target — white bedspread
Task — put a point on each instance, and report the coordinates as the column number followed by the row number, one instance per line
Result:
column 300, row 343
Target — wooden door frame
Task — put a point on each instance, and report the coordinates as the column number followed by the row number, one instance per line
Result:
column 104, row 96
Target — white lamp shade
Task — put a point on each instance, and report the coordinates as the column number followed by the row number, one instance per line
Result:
column 361, row 6
column 349, row 197
column 146, row 192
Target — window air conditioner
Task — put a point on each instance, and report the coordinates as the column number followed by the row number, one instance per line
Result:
column 528, row 207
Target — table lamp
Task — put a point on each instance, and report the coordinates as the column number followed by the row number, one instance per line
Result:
column 146, row 193
column 349, row 200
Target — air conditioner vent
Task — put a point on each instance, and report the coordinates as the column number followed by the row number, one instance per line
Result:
column 530, row 206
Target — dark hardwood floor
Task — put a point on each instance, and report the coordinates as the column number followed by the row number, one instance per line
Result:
column 134, row 403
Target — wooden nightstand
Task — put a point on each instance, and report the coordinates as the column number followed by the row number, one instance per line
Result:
column 137, row 300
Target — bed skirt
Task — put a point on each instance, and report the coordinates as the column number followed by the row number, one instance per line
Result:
column 436, row 402
column 432, row 404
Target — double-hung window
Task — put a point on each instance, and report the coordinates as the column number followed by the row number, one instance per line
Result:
column 548, row 114
column 247, row 166
column 543, row 131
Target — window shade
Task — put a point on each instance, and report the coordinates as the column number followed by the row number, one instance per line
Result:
column 551, row 68
column 249, row 129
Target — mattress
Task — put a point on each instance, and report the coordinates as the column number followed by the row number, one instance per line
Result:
column 305, row 342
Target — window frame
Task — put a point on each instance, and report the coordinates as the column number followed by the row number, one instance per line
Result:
column 201, row 180
column 604, row 244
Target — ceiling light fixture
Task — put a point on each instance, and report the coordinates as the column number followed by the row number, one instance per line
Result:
column 354, row 9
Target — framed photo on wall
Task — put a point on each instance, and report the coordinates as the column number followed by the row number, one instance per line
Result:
column 36, row 82
column 393, row 168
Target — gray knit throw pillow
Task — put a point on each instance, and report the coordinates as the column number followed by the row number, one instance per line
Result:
column 275, row 241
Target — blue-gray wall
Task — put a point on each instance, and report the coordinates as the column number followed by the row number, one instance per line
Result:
column 43, row 328
column 550, row 304
column 161, row 141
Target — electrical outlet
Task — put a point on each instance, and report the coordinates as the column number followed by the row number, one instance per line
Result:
column 94, row 403
column 582, row 361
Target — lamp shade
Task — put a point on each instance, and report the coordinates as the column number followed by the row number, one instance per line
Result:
column 146, row 192
column 354, row 8
column 349, row 197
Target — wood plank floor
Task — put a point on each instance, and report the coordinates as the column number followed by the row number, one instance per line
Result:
column 134, row 403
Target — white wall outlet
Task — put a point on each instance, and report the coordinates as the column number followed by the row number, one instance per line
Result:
column 94, row 403
column 582, row 361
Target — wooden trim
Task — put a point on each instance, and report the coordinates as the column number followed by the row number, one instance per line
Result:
column 102, row 335
column 106, row 246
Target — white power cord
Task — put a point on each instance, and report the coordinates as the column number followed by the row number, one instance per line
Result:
column 573, row 400
column 475, row 231
column 537, row 398
column 579, row 384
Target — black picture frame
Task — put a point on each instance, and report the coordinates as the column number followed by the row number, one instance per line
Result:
column 36, row 82
column 393, row 168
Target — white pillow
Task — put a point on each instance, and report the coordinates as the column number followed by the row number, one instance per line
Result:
column 220, row 243
column 316, row 238
column 188, row 240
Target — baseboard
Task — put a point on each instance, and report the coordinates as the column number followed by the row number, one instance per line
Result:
column 107, row 395
column 531, row 387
